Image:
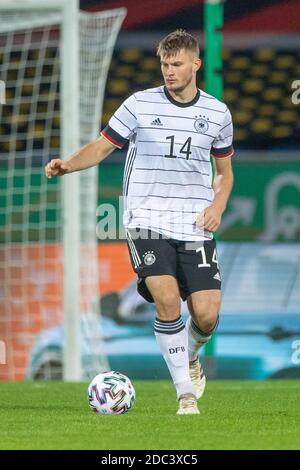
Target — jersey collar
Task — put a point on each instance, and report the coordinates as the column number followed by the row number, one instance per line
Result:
column 182, row 105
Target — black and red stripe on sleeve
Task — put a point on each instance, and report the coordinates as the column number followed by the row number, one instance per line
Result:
column 222, row 152
column 113, row 137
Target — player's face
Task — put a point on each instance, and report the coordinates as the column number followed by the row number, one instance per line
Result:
column 179, row 70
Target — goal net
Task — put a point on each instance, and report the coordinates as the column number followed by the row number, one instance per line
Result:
column 40, row 219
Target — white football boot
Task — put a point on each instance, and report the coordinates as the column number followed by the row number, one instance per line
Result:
column 187, row 405
column 197, row 377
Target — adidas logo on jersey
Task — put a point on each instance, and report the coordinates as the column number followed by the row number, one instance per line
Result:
column 156, row 122
column 217, row 277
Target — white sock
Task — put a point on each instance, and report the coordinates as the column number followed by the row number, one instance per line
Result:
column 196, row 338
column 172, row 340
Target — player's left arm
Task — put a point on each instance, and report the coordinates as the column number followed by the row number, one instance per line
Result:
column 222, row 185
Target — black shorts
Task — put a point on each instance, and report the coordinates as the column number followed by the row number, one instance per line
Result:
column 193, row 264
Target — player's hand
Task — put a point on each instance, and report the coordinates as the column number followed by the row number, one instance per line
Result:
column 57, row 167
column 210, row 218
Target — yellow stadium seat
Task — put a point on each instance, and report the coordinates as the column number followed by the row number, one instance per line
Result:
column 19, row 119
column 14, row 59
column 142, row 77
column 242, row 117
column 226, row 54
column 117, row 86
column 284, row 61
column 12, row 75
column 9, row 93
column 106, row 117
column 24, row 108
column 287, row 116
column 240, row 133
column 30, row 72
column 262, row 125
column 286, row 101
column 38, row 132
column 249, row 102
column 34, row 54
column 281, row 131
column 267, row 110
column 240, row 62
column 56, row 121
column 278, row 76
column 252, row 85
column 265, row 54
column 233, row 76
column 27, row 90
column 50, row 52
column 150, row 63
column 259, row 70
column 130, row 55
column 230, row 95
column 126, row 71
column 55, row 142
column 12, row 144
column 112, row 104
column 273, row 94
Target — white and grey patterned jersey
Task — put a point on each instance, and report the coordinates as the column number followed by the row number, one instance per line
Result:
column 168, row 175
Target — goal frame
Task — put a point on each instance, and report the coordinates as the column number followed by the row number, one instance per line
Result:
column 68, row 12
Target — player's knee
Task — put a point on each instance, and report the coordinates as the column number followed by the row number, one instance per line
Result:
column 206, row 316
column 168, row 305
column 209, row 309
column 208, row 325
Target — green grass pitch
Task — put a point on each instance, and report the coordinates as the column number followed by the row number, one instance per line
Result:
column 234, row 415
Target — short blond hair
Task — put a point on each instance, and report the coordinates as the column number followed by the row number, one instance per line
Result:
column 175, row 41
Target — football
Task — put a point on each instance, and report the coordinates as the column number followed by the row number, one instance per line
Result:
column 111, row 393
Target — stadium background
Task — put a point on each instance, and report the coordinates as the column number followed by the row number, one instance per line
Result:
column 260, row 256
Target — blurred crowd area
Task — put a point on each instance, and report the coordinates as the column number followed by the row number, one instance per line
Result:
column 258, row 88
column 261, row 66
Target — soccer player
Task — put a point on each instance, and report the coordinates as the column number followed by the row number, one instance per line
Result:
column 172, row 206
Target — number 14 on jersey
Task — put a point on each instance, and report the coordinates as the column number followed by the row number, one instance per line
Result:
column 185, row 149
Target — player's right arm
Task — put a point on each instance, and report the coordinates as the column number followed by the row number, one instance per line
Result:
column 118, row 131
column 89, row 155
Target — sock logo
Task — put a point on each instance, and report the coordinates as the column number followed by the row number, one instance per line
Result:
column 176, row 350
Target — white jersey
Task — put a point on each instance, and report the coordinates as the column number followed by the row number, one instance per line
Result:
column 168, row 175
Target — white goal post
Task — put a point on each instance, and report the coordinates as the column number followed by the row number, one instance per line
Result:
column 86, row 42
